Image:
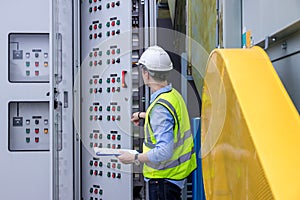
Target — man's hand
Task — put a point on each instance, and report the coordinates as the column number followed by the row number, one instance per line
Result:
column 126, row 157
column 135, row 118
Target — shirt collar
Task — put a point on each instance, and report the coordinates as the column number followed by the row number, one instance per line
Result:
column 167, row 88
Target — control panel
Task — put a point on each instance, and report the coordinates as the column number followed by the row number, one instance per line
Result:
column 28, row 126
column 28, row 57
column 106, row 94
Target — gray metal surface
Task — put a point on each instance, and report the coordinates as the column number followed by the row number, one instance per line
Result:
column 24, row 174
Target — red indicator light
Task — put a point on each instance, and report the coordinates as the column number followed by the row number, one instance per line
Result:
column 95, row 1
column 113, row 33
column 95, row 35
column 113, row 108
column 95, row 53
column 36, row 139
column 95, row 81
column 113, row 175
column 95, row 109
column 113, row 61
column 113, row 23
column 113, row 137
column 95, row 8
column 95, row 63
column 96, row 136
column 113, row 146
column 95, row 26
column 95, row 90
column 96, row 163
column 95, row 172
column 96, row 191
column 113, row 4
column 113, row 165
column 113, row 52
column 113, row 80
column 36, row 64
column 95, row 118
column 36, row 130
column 113, row 89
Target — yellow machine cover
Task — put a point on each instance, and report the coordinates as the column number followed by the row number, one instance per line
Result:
column 250, row 129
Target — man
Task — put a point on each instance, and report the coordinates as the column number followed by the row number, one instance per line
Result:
column 168, row 150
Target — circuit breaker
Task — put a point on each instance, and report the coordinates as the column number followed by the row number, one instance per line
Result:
column 106, row 87
column 28, row 57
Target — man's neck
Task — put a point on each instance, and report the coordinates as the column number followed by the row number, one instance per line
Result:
column 157, row 86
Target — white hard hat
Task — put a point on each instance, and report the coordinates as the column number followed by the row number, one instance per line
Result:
column 156, row 59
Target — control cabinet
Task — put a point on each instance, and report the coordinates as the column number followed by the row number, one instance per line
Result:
column 106, row 88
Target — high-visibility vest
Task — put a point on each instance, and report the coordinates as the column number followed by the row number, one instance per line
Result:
column 183, row 160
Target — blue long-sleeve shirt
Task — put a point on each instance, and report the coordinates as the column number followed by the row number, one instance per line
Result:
column 162, row 123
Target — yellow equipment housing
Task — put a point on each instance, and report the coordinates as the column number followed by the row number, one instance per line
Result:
column 250, row 129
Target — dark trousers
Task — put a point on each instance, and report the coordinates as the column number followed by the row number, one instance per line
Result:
column 161, row 189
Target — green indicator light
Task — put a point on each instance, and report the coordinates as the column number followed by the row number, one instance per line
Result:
column 100, row 108
column 108, row 174
column 119, row 166
column 108, row 118
column 100, row 81
column 100, row 53
column 108, row 137
column 91, row 63
column 27, row 73
column 91, row 163
column 118, row 108
column 91, row 90
column 91, row 190
column 91, row 81
column 118, row 51
column 100, row 191
column 108, row 90
column 100, row 164
column 27, row 64
column 108, row 52
column 100, row 136
column 107, row 24
column 27, row 130
column 91, row 108
column 118, row 22
column 91, row 27
column 119, row 137
column 91, row 135
column 91, row 145
column 100, row 25
column 91, row 117
column 118, row 79
column 91, row 36
column 90, row 9
column 108, row 108
column 107, row 33
column 90, row 1
column 91, row 172
column 27, row 140
column 108, row 61
column 91, row 54
column 108, row 80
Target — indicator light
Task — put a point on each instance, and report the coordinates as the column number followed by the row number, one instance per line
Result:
column 91, row 90
column 95, row 90
column 91, row 190
column 45, row 130
column 95, row 35
column 100, row 136
column 36, row 140
column 119, row 176
column 113, row 80
column 108, row 61
column 108, row 137
column 95, row 63
column 113, row 33
column 113, row 146
column 27, row 73
column 96, row 163
column 100, row 117
column 100, row 90
column 91, row 163
column 108, row 165
column 113, row 108
column 108, row 146
column 91, row 54
column 100, row 25
column 96, row 109
column 95, row 53
column 113, row 61
column 107, row 33
column 91, row 135
column 107, row 24
column 27, row 130
column 119, row 118
column 107, row 5
column 45, row 55
column 113, row 89
column 95, row 118
column 113, row 118
column 91, row 108
column 100, row 164
column 96, row 136
column 100, row 62
column 91, row 63
column 119, row 166
column 118, row 79
column 113, row 137
column 27, row 122
column 46, row 122
column 90, row 9
column 113, row 52
column 91, row 172
column 118, row 137
column 91, row 36
column 108, row 108
column 91, row 117
column 27, row 55
column 95, row 26
column 118, row 108
column 91, row 145
column 113, row 175
column 45, row 64
column 100, row 108
column 113, row 23
column 27, row 140
column 113, row 4
column 90, row 1
column 108, row 52
column 36, row 130
column 108, row 80
column 95, row 1
column 95, row 8
column 36, row 55
column 27, row 64
column 100, row 173
column 113, row 165
column 100, row 191
column 118, row 31
column 96, row 191
column 108, row 118
column 118, row 22
column 100, row 81
column 95, row 172
column 36, row 64
column 118, row 51
column 95, row 81
column 118, row 3
column 100, row 53
column 108, row 174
